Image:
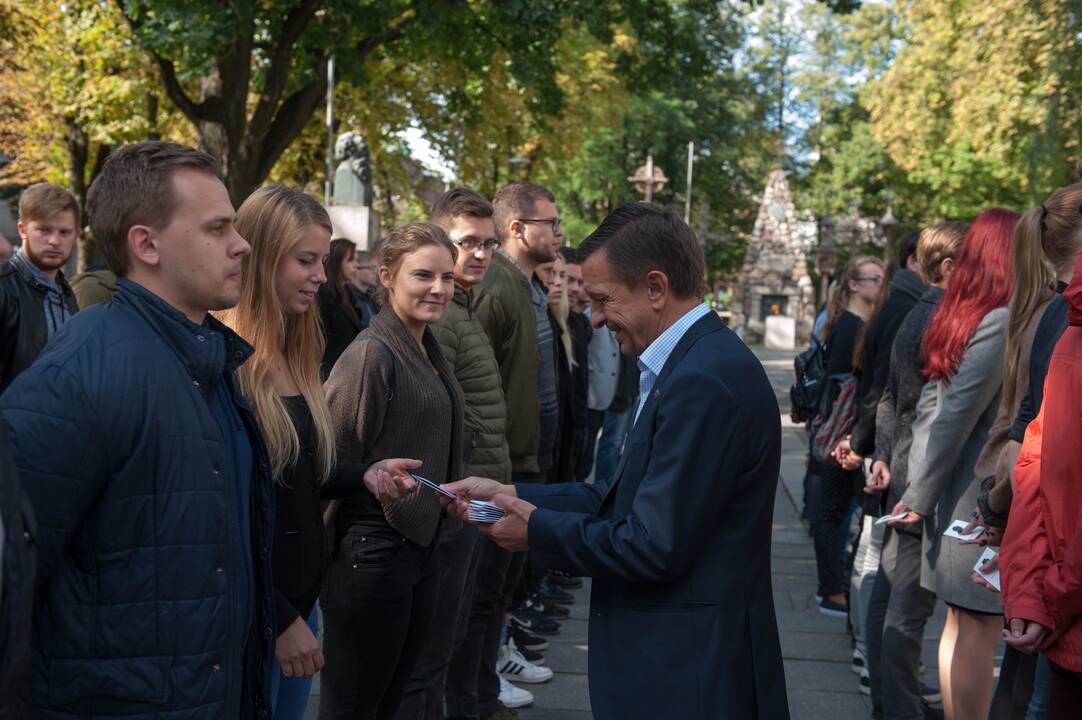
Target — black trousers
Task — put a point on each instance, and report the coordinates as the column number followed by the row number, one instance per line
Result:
column 423, row 699
column 472, row 674
column 1064, row 693
column 378, row 601
column 829, row 494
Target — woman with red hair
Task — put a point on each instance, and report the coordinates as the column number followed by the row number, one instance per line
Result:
column 963, row 352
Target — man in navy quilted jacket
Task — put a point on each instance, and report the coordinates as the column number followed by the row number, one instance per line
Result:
column 145, row 467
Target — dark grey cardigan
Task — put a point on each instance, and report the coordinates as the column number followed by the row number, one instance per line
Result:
column 423, row 420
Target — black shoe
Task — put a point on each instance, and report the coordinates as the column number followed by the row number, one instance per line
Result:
column 528, row 619
column 526, row 641
column 551, row 594
column 833, row 609
column 567, row 583
column 550, row 610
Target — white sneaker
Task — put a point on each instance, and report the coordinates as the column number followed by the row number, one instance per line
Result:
column 513, row 666
column 514, row 697
column 859, row 662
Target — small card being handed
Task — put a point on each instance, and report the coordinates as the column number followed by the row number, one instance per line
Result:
column 992, row 577
column 954, row 530
column 888, row 518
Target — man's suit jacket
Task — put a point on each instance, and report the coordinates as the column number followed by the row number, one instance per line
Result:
column 682, row 620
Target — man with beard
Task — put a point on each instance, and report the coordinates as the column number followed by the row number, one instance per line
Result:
column 35, row 299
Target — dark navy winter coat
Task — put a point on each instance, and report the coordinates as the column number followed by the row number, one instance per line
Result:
column 138, row 530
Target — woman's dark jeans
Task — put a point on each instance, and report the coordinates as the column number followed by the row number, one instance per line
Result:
column 830, row 490
column 378, row 601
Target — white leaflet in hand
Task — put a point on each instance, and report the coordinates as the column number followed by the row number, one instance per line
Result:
column 888, row 518
column 992, row 577
column 954, row 530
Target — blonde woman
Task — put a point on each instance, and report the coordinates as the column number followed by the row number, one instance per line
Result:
column 290, row 235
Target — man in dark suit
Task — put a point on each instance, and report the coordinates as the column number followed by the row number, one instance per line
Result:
column 682, row 620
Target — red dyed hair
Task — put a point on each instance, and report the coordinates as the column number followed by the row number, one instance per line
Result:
column 982, row 281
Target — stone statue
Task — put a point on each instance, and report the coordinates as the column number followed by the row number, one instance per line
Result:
column 353, row 178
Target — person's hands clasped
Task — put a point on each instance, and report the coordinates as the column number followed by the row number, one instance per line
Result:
column 879, row 480
column 298, row 651
column 390, row 480
column 844, row 455
column 1029, row 636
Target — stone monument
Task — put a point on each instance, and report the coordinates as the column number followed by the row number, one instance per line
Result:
column 774, row 299
column 351, row 210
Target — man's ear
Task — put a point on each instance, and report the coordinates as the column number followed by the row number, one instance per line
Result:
column 22, row 231
column 657, row 287
column 143, row 245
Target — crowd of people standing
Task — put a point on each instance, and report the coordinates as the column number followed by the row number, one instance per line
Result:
column 281, row 388
column 943, row 371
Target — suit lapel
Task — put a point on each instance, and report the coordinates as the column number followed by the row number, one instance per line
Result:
column 707, row 323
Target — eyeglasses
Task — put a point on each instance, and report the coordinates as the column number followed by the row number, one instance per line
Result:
column 471, row 245
column 554, row 223
column 877, row 279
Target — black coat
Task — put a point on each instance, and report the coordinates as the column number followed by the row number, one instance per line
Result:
column 17, row 601
column 1050, row 329
column 341, row 324
column 897, row 409
column 678, row 544
column 23, row 331
column 139, row 544
column 905, row 290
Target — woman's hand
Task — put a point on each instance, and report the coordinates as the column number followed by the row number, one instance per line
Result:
column 880, row 478
column 298, row 651
column 989, row 536
column 909, row 517
column 389, row 480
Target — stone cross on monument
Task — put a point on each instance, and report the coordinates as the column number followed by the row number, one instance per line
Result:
column 647, row 177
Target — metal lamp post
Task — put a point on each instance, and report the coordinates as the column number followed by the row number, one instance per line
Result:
column 826, row 255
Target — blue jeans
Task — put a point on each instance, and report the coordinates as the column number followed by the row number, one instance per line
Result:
column 613, row 433
column 289, row 695
column 1038, row 702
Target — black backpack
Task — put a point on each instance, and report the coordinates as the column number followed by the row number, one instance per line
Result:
column 810, row 377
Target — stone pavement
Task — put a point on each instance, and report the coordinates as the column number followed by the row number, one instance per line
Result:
column 816, row 649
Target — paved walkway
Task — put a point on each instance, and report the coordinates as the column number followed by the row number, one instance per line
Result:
column 816, row 649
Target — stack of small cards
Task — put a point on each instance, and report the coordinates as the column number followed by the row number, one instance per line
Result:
column 480, row 511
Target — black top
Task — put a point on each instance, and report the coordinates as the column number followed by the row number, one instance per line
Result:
column 341, row 322
column 1052, row 326
column 839, row 361
column 299, row 556
column 905, row 290
column 579, row 326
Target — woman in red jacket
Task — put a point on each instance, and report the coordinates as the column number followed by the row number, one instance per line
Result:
column 1042, row 550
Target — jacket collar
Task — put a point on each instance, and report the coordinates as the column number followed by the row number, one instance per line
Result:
column 510, row 266
column 907, row 282
column 464, row 297
column 707, row 324
column 932, row 295
column 34, row 277
column 208, row 350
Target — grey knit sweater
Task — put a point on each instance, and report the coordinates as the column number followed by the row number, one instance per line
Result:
column 423, row 420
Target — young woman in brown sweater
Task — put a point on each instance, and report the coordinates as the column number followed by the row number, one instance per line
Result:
column 391, row 395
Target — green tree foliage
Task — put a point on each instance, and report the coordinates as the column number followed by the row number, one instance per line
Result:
column 982, row 105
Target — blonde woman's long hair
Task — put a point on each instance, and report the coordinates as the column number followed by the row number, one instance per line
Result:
column 273, row 220
column 839, row 301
